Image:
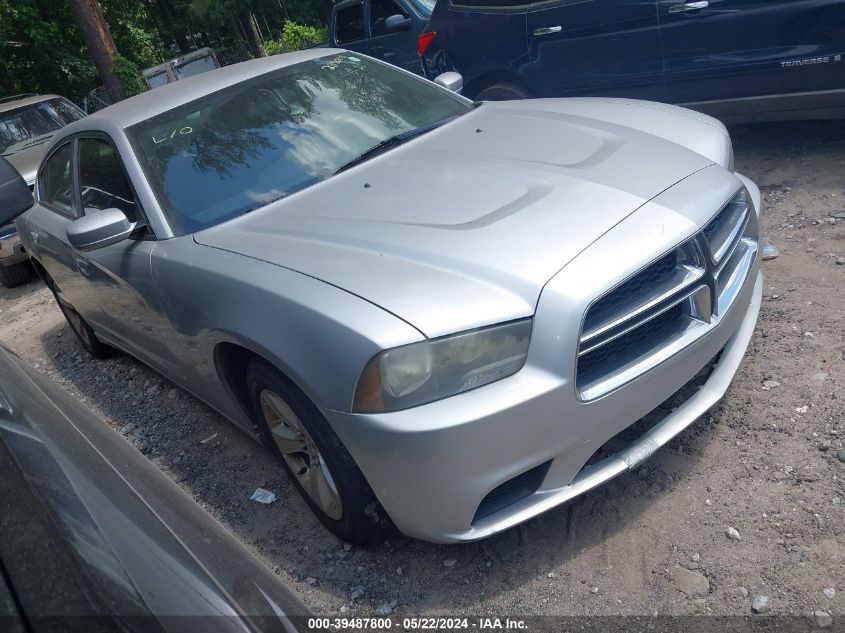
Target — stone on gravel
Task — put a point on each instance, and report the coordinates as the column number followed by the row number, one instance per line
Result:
column 692, row 583
column 449, row 562
column 311, row 581
column 840, row 455
column 823, row 619
column 386, row 608
column 840, row 261
column 760, row 604
column 768, row 385
column 829, row 592
column 594, row 590
column 742, row 591
column 732, row 534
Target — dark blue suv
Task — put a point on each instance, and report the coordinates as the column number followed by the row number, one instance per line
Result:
column 734, row 59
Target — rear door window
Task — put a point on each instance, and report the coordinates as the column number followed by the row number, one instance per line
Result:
column 55, row 184
column 349, row 24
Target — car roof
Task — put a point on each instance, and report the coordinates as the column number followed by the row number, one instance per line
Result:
column 152, row 102
column 16, row 101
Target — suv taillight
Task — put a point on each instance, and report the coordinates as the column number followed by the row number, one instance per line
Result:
column 424, row 40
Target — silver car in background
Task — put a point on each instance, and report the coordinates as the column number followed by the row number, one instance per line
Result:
column 441, row 314
column 27, row 123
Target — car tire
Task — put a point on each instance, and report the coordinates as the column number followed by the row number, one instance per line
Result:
column 16, row 274
column 506, row 91
column 87, row 338
column 293, row 428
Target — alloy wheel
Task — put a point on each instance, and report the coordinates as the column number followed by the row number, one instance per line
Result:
column 301, row 454
column 73, row 318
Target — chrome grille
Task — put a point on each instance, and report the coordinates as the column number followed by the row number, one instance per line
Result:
column 668, row 304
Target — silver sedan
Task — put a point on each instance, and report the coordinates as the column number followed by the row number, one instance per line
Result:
column 444, row 315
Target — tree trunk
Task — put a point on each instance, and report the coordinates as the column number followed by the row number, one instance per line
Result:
column 98, row 39
column 253, row 37
column 168, row 12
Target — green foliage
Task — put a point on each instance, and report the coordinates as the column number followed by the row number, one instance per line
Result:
column 129, row 73
column 296, row 37
column 41, row 49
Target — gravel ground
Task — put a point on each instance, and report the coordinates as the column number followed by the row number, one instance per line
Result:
column 748, row 502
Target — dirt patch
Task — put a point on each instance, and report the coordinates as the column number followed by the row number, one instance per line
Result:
column 767, row 462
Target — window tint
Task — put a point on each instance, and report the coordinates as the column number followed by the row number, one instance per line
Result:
column 492, row 4
column 380, row 10
column 349, row 24
column 101, row 180
column 55, row 185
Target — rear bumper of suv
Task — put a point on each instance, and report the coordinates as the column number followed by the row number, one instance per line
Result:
column 475, row 464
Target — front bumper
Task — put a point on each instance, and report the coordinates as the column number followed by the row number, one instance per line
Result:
column 12, row 250
column 432, row 466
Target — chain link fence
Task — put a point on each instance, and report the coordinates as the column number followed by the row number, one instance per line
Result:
column 101, row 97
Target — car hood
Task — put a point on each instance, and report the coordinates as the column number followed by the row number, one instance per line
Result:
column 463, row 226
column 26, row 161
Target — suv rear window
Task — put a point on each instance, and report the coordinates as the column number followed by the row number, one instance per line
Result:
column 349, row 24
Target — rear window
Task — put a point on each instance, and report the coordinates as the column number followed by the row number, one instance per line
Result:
column 33, row 124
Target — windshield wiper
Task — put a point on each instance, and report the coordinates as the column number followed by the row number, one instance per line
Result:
column 390, row 142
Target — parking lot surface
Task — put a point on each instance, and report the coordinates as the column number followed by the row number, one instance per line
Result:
column 766, row 465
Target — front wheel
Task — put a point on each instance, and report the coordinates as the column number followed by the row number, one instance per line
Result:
column 315, row 459
column 505, row 91
column 80, row 327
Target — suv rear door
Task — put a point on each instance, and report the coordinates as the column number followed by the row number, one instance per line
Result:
column 730, row 49
column 596, row 47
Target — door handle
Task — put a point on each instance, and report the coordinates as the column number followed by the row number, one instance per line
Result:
column 689, row 6
column 548, row 30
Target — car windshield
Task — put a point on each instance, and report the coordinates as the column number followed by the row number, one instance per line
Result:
column 34, row 124
column 247, row 145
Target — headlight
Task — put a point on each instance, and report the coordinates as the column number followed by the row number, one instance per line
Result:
column 411, row 375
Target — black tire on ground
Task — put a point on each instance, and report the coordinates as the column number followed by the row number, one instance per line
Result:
column 16, row 274
column 362, row 520
column 87, row 338
column 505, row 91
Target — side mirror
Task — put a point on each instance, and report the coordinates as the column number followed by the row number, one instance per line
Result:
column 98, row 229
column 397, row 23
column 451, row 81
column 15, row 196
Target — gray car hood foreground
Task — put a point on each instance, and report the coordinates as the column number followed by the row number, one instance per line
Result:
column 466, row 224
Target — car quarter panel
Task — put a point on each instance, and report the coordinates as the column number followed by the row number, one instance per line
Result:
column 453, row 452
column 321, row 337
